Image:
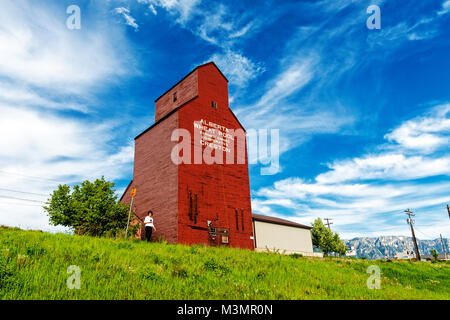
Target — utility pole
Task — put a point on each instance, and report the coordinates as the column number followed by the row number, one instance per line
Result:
column 328, row 223
column 411, row 222
column 443, row 248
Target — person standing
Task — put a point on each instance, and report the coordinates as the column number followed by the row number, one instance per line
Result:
column 149, row 225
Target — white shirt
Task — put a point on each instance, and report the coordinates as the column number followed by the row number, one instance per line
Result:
column 148, row 221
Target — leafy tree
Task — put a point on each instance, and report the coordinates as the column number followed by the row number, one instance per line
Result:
column 338, row 245
column 91, row 209
column 321, row 236
column 324, row 239
column 435, row 255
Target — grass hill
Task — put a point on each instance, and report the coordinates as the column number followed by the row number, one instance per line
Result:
column 33, row 265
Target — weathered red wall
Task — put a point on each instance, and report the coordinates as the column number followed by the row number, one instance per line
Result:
column 164, row 187
column 221, row 188
column 156, row 178
column 185, row 90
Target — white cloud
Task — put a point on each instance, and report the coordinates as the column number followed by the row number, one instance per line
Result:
column 300, row 98
column 57, row 147
column 152, row 9
column 37, row 49
column 129, row 20
column 423, row 28
column 445, row 8
column 46, row 68
column 219, row 26
column 424, row 134
column 20, row 95
column 243, row 31
column 370, row 192
column 181, row 8
column 385, row 165
column 298, row 121
column 290, row 80
column 236, row 67
column 53, row 150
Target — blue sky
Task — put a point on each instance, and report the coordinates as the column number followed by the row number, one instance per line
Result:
column 364, row 115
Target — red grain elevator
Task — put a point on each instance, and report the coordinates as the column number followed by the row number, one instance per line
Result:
column 193, row 203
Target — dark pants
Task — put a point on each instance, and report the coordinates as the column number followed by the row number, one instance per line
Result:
column 148, row 233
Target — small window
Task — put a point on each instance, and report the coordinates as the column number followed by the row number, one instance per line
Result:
column 214, row 104
column 174, row 96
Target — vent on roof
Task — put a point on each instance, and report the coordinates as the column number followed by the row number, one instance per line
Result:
column 214, row 104
column 174, row 96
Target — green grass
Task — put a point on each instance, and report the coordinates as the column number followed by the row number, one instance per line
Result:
column 33, row 265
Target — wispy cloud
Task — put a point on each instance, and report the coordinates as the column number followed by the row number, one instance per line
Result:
column 53, row 150
column 445, row 8
column 21, row 95
column 47, row 72
column 43, row 53
column 424, row 134
column 129, row 20
column 237, row 67
column 183, row 9
column 314, row 62
column 357, row 192
column 219, row 26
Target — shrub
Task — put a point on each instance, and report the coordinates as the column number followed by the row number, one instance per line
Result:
column 90, row 209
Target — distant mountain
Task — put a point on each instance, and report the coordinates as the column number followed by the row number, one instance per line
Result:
column 376, row 248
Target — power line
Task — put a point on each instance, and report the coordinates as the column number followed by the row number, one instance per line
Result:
column 31, row 177
column 20, row 204
column 427, row 235
column 21, row 199
column 37, row 194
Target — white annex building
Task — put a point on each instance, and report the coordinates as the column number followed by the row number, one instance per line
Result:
column 283, row 236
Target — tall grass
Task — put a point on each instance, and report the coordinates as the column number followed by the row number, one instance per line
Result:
column 33, row 265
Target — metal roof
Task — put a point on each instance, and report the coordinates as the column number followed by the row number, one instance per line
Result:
column 262, row 218
column 196, row 68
